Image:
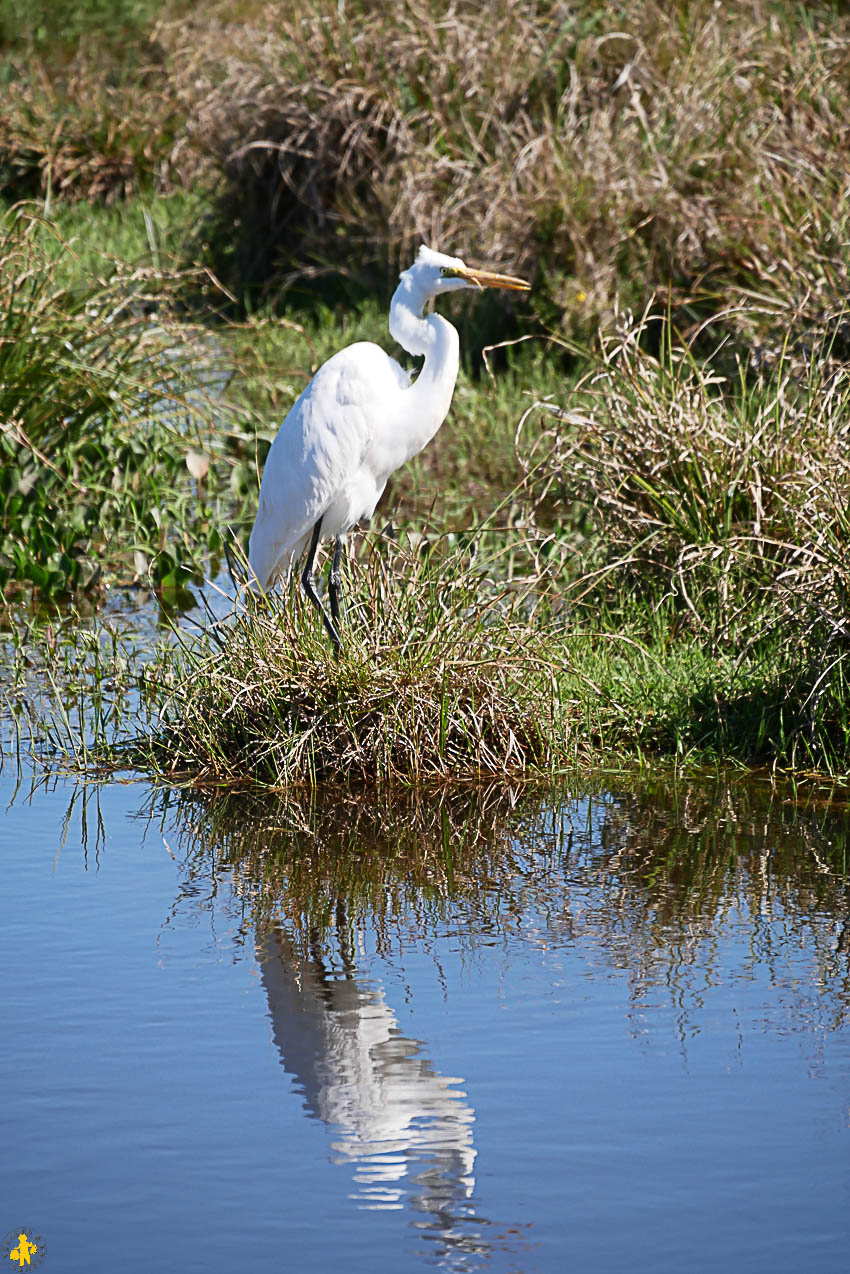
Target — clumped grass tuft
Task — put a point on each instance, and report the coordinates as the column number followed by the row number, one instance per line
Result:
column 438, row 679
column 726, row 494
column 713, row 547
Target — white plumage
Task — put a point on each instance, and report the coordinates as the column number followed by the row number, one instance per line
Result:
column 360, row 418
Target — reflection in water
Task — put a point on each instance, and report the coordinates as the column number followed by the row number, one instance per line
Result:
column 402, row 1128
column 648, row 878
column 672, row 889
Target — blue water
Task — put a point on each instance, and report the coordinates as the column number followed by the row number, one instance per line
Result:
column 592, row 1032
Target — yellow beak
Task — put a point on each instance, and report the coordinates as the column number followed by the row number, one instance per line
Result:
column 485, row 279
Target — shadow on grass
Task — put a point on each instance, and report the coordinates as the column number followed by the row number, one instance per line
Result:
column 793, row 722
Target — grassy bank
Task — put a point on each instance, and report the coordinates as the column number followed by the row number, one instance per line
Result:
column 629, row 542
column 647, row 560
column 692, row 605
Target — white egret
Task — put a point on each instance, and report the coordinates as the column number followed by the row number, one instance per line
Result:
column 360, row 418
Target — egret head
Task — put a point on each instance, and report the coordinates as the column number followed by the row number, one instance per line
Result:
column 434, row 273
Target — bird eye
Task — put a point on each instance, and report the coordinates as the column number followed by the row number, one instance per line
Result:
column 443, row 269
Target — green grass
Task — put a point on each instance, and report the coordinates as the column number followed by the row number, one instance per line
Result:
column 93, row 240
column 101, row 405
column 444, row 677
column 470, row 701
column 60, row 25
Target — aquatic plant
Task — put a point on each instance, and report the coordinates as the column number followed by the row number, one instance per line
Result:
column 101, row 402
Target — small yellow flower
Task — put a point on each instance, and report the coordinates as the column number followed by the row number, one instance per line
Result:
column 581, row 296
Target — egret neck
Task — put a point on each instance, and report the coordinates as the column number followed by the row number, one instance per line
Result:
column 430, row 395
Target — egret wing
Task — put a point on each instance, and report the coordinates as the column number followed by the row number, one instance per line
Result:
column 322, row 442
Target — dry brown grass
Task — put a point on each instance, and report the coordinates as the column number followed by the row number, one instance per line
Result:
column 611, row 151
column 85, row 131
column 621, row 155
column 725, row 493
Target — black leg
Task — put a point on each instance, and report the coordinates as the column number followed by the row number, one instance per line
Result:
column 308, row 583
column 335, row 581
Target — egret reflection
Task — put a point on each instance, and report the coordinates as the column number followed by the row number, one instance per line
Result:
column 404, row 1130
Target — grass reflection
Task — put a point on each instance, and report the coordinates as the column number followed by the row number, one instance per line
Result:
column 653, row 877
